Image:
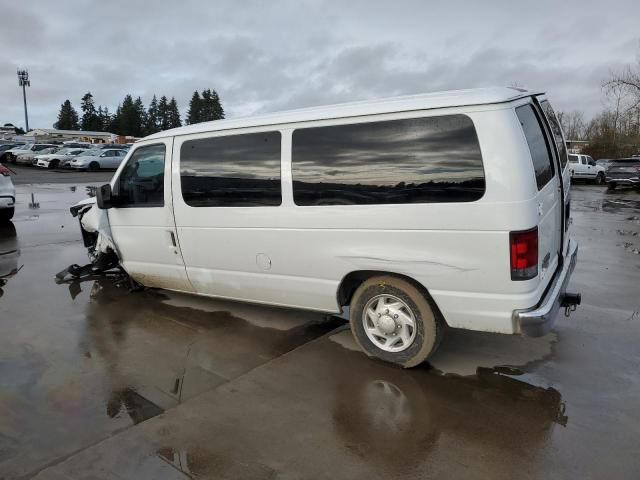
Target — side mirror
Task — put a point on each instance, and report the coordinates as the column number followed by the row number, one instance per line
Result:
column 104, row 198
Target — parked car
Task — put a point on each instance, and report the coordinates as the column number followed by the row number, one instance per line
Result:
column 28, row 151
column 415, row 212
column 604, row 163
column 85, row 145
column 624, row 171
column 7, row 146
column 29, row 158
column 7, row 195
column 97, row 159
column 7, row 154
column 585, row 168
column 52, row 160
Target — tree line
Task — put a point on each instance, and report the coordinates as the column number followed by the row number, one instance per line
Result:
column 133, row 119
column 614, row 132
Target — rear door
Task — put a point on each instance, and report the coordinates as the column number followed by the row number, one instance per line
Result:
column 142, row 224
column 548, row 199
column 561, row 162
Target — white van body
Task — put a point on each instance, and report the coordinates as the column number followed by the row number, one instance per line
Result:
column 314, row 256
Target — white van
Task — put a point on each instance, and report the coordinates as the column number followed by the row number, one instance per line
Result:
column 416, row 212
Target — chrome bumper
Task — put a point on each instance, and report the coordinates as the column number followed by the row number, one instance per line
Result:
column 537, row 321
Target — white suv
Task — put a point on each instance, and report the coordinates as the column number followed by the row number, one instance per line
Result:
column 585, row 168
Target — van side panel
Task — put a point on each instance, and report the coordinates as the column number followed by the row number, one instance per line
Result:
column 296, row 256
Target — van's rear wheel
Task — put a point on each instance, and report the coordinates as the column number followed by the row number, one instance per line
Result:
column 391, row 319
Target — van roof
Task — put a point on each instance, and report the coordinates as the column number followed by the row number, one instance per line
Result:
column 426, row 101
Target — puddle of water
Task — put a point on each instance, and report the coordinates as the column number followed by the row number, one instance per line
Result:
column 463, row 352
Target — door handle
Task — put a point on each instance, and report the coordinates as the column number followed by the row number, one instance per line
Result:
column 172, row 238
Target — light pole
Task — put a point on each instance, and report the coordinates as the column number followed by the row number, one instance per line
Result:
column 23, row 81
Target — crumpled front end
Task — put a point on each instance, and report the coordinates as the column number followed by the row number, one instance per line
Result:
column 96, row 234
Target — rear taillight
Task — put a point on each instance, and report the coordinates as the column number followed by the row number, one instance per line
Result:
column 524, row 254
column 4, row 171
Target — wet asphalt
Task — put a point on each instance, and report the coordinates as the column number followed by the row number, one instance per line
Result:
column 97, row 382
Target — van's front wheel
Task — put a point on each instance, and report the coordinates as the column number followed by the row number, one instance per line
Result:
column 391, row 319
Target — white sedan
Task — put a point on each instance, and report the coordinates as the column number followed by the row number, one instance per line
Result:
column 97, row 159
column 7, row 195
column 53, row 160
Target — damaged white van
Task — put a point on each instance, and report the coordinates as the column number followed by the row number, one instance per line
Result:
column 417, row 213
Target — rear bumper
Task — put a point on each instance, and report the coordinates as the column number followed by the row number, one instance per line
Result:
column 537, row 321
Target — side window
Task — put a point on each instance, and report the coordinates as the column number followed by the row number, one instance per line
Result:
column 556, row 130
column 417, row 160
column 141, row 183
column 573, row 159
column 538, row 146
column 232, row 171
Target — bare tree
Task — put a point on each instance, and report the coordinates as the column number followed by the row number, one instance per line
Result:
column 573, row 124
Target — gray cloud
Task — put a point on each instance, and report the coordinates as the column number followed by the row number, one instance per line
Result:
column 266, row 56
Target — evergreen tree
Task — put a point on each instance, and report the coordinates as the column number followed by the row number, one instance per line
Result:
column 163, row 113
column 90, row 118
column 211, row 107
column 105, row 119
column 130, row 117
column 114, row 121
column 141, row 118
column 152, row 125
column 173, row 114
column 195, row 107
column 67, row 117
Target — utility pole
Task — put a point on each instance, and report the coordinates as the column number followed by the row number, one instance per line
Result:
column 23, row 81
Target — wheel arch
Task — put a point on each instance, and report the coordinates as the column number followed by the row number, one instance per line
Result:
column 351, row 281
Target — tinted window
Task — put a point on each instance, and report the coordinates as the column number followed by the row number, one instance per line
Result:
column 420, row 160
column 232, row 171
column 540, row 151
column 141, row 182
column 556, row 131
column 574, row 159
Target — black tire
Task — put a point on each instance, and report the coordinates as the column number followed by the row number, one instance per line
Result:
column 6, row 214
column 54, row 163
column 94, row 166
column 599, row 178
column 611, row 186
column 429, row 327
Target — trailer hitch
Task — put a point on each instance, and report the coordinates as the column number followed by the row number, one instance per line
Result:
column 570, row 302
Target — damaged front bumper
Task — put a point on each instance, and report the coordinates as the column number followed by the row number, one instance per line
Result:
column 96, row 234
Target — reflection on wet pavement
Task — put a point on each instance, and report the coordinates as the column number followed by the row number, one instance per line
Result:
column 98, row 382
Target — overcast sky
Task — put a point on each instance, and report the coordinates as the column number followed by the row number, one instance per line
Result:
column 272, row 55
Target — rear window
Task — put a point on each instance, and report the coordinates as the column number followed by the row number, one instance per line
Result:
column 538, row 146
column 416, row 160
